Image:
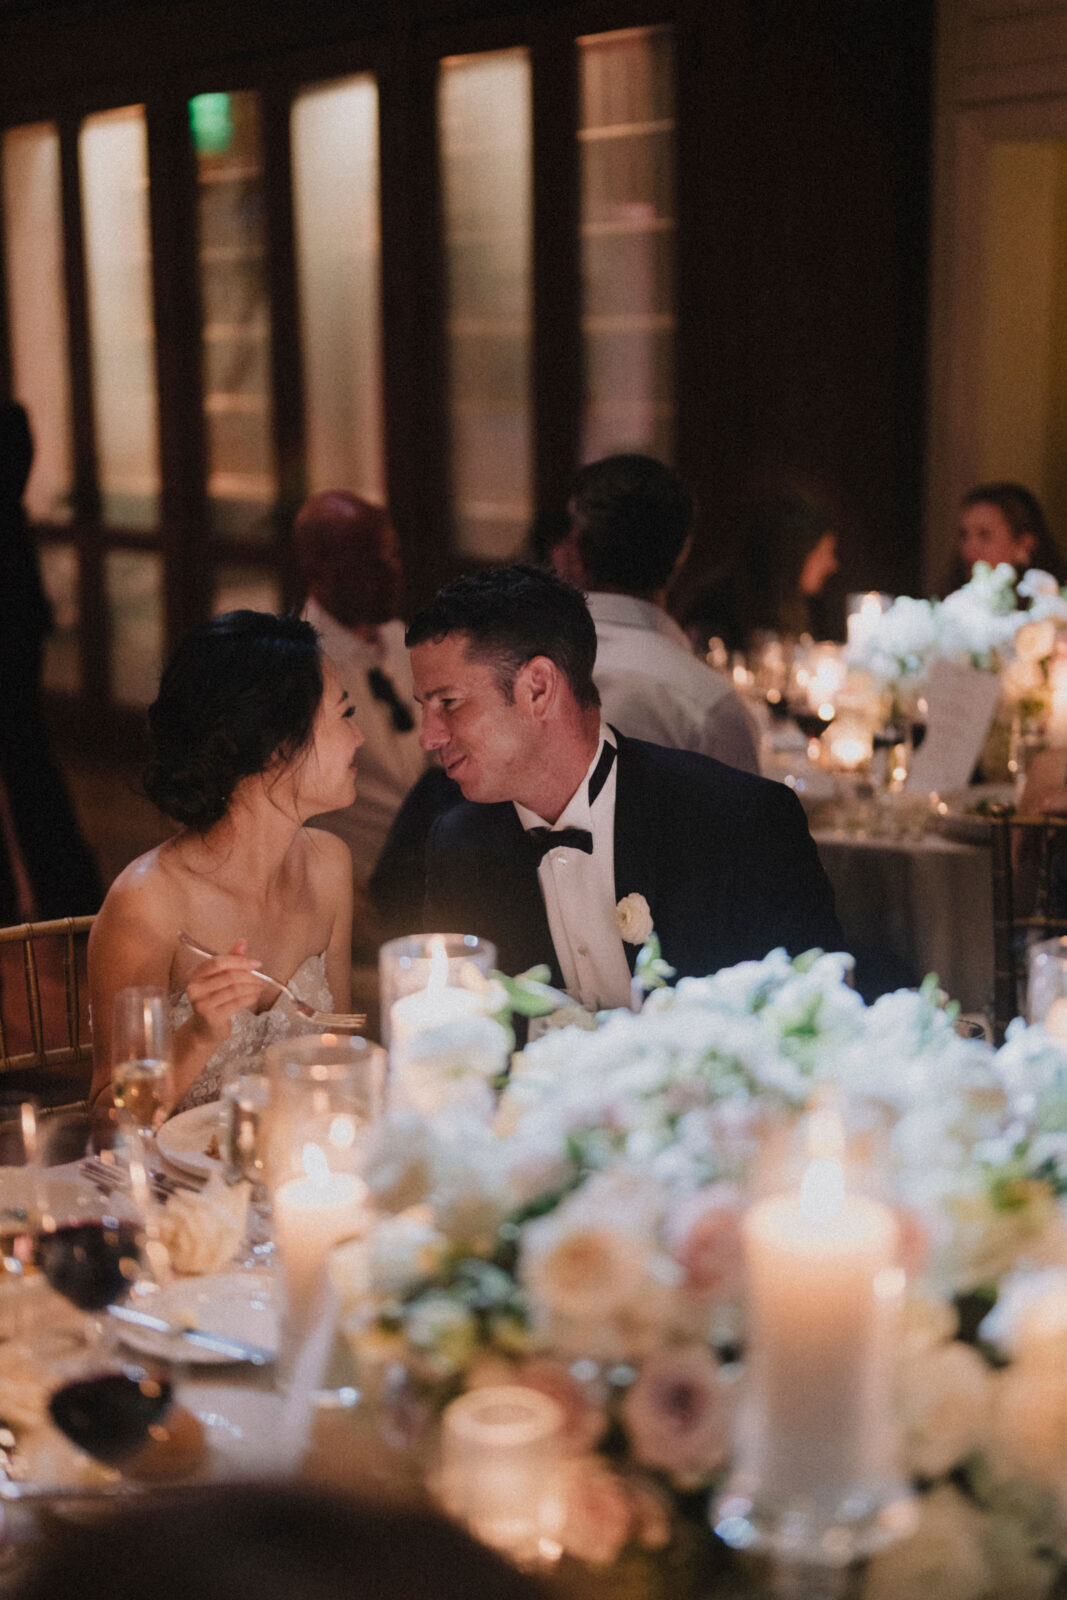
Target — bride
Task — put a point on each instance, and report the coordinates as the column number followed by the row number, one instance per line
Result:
column 252, row 734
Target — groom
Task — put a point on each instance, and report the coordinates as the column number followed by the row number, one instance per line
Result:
column 562, row 818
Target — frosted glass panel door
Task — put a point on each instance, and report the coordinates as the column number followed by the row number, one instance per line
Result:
column 241, row 484
column 33, row 236
column 134, row 581
column 335, row 191
column 113, row 150
column 485, row 134
column 626, row 149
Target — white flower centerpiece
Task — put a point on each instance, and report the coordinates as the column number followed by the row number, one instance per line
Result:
column 585, row 1239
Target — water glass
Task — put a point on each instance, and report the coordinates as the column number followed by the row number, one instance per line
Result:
column 1046, row 985
column 429, row 979
column 243, row 1107
column 326, row 1093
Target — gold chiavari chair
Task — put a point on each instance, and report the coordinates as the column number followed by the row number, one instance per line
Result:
column 1028, row 902
column 45, row 1044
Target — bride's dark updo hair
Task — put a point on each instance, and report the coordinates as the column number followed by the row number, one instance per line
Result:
column 238, row 691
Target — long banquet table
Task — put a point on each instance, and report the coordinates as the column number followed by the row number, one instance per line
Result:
column 909, row 907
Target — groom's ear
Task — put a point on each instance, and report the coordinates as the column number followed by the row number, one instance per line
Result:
column 536, row 688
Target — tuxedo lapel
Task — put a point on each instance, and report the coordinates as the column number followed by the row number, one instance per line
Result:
column 635, row 859
column 512, row 888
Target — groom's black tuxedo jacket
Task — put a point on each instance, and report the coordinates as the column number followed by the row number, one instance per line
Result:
column 724, row 859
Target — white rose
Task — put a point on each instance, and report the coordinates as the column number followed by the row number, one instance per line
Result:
column 943, row 1557
column 398, row 1167
column 404, row 1249
column 1034, row 582
column 580, row 1267
column 1029, row 1320
column 634, row 919
column 946, row 1407
column 202, row 1231
column 1035, row 640
column 1029, row 1419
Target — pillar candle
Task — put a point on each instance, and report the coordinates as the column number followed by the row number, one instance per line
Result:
column 311, row 1215
column 822, row 1282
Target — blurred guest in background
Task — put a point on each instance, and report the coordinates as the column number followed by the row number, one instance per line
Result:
column 1003, row 522
column 62, row 874
column 778, row 585
column 630, row 520
column 348, row 557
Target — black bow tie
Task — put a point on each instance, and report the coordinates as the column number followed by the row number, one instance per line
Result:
column 541, row 840
column 383, row 688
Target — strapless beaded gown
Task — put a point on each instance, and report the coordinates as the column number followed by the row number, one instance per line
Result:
column 252, row 1031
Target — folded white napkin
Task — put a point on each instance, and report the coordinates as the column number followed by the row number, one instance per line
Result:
column 202, row 1232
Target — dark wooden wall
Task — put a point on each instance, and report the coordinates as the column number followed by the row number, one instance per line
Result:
column 803, row 177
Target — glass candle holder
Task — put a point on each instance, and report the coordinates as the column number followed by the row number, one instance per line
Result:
column 426, row 980
column 326, row 1094
column 500, row 1458
column 1046, row 985
column 815, row 1475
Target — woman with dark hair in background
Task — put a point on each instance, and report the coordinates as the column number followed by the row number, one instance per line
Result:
column 777, row 585
column 252, row 734
column 1004, row 522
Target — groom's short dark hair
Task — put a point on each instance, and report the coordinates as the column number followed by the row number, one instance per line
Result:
column 510, row 615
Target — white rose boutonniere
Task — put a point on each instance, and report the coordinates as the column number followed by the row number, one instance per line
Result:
column 634, row 919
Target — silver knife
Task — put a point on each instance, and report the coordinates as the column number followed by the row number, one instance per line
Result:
column 222, row 1344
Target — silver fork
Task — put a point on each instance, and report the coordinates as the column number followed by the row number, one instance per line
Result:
column 327, row 1019
column 108, row 1176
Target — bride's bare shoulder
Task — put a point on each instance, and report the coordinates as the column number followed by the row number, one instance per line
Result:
column 148, row 890
column 325, row 852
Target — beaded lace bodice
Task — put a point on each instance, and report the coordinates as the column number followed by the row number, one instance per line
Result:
column 252, row 1031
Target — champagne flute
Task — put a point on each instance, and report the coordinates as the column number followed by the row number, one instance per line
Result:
column 142, row 1064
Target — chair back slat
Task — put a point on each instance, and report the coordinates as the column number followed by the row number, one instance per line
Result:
column 51, row 1025
column 33, row 996
column 1045, row 835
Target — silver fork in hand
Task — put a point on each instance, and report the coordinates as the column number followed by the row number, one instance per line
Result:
column 327, row 1019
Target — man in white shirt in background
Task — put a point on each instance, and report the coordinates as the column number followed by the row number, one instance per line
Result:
column 629, row 533
column 348, row 557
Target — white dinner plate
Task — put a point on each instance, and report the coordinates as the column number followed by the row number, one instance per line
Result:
column 242, row 1427
column 238, row 1305
column 184, row 1140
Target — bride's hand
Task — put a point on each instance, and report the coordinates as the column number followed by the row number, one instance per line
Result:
column 221, row 987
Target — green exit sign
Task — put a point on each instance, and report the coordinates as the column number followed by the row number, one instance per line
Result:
column 212, row 124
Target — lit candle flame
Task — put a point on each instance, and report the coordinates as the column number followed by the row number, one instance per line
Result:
column 438, row 978
column 316, row 1165
column 822, row 1188
column 822, row 1191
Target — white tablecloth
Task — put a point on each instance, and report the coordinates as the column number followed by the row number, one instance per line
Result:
column 921, row 906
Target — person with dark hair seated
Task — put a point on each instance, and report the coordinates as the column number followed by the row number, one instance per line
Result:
column 276, row 1542
column 252, row 734
column 630, row 520
column 1004, row 522
column 349, row 561
column 561, row 818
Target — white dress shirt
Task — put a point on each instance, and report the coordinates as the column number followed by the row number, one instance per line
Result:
column 579, row 895
column 388, row 763
column 653, row 687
